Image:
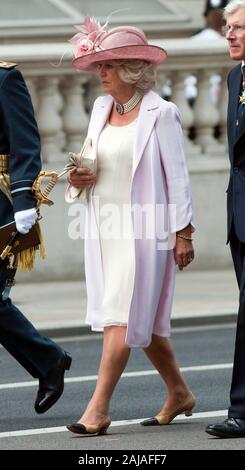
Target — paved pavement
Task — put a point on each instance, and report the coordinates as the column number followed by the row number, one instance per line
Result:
column 59, row 308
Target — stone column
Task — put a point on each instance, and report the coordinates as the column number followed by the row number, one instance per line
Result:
column 49, row 120
column 223, row 108
column 187, row 115
column 206, row 116
column 32, row 87
column 75, row 118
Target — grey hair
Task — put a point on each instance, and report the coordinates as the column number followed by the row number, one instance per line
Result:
column 232, row 7
column 138, row 72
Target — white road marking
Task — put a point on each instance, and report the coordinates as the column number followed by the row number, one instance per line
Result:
column 144, row 373
column 130, row 422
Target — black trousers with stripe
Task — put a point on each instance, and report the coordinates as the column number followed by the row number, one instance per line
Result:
column 237, row 392
column 35, row 353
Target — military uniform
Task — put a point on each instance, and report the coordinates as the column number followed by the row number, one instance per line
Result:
column 19, row 139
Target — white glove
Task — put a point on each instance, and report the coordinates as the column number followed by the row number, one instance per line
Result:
column 25, row 220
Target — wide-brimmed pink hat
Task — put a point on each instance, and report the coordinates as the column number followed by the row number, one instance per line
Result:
column 95, row 43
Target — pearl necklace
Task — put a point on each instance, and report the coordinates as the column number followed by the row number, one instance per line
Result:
column 126, row 107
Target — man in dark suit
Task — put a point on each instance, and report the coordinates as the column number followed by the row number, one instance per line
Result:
column 20, row 164
column 234, row 426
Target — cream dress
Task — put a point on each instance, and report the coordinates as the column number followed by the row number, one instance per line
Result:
column 112, row 203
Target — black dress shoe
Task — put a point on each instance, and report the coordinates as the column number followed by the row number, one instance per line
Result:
column 231, row 427
column 52, row 386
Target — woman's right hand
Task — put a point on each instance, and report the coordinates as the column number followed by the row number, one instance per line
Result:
column 81, row 177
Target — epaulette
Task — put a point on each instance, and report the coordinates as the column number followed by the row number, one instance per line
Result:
column 7, row 65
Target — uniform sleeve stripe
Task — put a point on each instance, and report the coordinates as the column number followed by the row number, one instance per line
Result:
column 21, row 184
column 21, row 189
column 21, row 181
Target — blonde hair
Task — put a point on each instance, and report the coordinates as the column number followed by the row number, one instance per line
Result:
column 138, row 72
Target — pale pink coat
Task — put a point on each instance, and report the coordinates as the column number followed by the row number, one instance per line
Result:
column 159, row 176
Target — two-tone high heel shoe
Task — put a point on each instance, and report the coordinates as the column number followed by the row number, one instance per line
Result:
column 100, row 428
column 185, row 406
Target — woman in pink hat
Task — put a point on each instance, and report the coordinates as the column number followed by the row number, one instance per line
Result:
column 139, row 216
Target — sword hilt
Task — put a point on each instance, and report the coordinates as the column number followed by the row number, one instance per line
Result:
column 49, row 187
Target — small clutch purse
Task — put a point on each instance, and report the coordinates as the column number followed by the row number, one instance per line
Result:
column 86, row 158
column 87, row 155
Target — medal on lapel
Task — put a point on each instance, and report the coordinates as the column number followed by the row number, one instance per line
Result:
column 242, row 98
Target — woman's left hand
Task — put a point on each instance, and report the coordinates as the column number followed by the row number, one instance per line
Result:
column 183, row 252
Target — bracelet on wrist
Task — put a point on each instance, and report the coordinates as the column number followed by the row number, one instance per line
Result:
column 185, row 237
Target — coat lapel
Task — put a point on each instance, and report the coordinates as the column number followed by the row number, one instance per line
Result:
column 146, row 121
column 234, row 92
column 100, row 115
column 241, row 129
